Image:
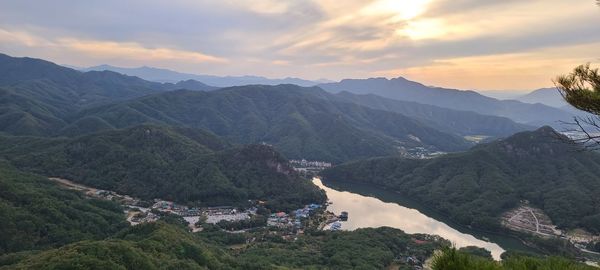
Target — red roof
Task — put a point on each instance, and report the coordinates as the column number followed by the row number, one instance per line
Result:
column 419, row 242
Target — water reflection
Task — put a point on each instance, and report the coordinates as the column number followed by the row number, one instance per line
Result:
column 367, row 211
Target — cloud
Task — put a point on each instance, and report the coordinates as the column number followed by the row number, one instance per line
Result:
column 525, row 70
column 133, row 50
column 300, row 38
column 107, row 49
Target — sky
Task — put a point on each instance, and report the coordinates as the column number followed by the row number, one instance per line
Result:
column 464, row 44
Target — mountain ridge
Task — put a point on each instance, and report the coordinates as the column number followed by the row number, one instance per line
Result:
column 296, row 120
column 403, row 89
column 170, row 76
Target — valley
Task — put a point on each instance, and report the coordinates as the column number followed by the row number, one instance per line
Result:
column 356, row 174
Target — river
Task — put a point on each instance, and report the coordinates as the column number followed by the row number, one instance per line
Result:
column 375, row 207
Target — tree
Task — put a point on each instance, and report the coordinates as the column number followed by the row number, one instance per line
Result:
column 581, row 89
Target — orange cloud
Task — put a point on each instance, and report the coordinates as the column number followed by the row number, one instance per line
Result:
column 135, row 51
column 516, row 71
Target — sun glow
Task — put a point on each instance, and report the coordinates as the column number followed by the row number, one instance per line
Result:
column 401, row 9
column 423, row 29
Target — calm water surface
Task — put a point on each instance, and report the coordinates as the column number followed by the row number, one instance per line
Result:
column 375, row 207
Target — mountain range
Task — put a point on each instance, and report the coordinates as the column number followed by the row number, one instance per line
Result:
column 295, row 120
column 403, row 89
column 170, row 76
column 43, row 99
column 209, row 145
column 397, row 88
column 452, row 121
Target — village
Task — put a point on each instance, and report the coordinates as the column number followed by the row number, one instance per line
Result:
column 307, row 167
column 421, row 153
column 529, row 219
column 233, row 221
column 139, row 211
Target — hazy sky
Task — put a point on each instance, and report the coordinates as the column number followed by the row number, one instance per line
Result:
column 469, row 44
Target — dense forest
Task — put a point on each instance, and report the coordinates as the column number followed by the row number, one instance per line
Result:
column 183, row 165
column 452, row 259
column 476, row 186
column 206, row 146
column 41, row 98
column 299, row 122
column 164, row 246
column 458, row 122
column 37, row 214
column 44, row 226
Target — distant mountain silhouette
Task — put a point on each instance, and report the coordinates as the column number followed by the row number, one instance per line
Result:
column 452, row 121
column 166, row 75
column 546, row 96
column 403, row 89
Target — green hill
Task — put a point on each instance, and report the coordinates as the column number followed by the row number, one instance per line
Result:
column 36, row 214
column 460, row 122
column 182, row 165
column 476, row 186
column 299, row 122
column 452, row 259
column 38, row 97
column 164, row 246
column 147, row 246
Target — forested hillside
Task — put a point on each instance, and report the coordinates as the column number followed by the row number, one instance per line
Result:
column 36, row 214
column 40, row 98
column 295, row 120
column 475, row 187
column 182, row 165
column 461, row 122
column 452, row 259
column 165, row 246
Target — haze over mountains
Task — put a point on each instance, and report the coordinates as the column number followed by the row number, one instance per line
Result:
column 403, row 89
column 198, row 144
column 165, row 75
column 44, row 99
column 546, row 96
column 41, row 98
column 397, row 88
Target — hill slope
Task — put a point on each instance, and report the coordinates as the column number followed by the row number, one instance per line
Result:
column 37, row 97
column 37, row 214
column 452, row 121
column 475, row 187
column 403, row 89
column 53, row 100
column 155, row 162
column 299, row 122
